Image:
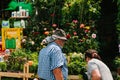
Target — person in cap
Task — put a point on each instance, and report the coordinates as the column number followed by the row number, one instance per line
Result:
column 52, row 63
column 96, row 69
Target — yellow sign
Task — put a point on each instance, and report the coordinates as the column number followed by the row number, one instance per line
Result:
column 11, row 38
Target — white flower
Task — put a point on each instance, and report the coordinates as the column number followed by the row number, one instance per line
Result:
column 32, row 42
column 23, row 40
column 93, row 35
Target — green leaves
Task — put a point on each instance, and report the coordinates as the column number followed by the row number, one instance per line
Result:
column 3, row 66
column 117, row 62
column 118, row 20
column 76, row 64
column 67, row 15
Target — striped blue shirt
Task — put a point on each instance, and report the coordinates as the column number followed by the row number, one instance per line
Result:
column 50, row 58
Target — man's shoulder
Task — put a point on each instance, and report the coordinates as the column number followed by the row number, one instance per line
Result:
column 53, row 45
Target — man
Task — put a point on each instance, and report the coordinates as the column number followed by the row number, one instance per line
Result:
column 97, row 70
column 52, row 62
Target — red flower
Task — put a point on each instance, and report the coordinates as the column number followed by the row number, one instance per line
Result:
column 35, row 33
column 86, row 37
column 52, row 15
column 68, row 36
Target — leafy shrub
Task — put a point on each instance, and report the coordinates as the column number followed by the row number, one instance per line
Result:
column 3, row 66
column 19, row 57
column 117, row 61
column 76, row 64
column 16, row 60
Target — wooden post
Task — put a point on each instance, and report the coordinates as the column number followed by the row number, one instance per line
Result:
column 26, row 70
column 0, row 77
column 68, row 59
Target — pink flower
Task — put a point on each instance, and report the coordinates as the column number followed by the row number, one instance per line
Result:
column 86, row 31
column 75, row 33
column 54, row 25
column 82, row 25
column 93, row 35
column 75, row 21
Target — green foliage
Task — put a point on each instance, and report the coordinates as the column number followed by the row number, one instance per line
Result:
column 77, row 64
column 19, row 57
column 68, row 15
column 118, row 77
column 77, row 17
column 117, row 62
column 16, row 60
column 81, row 38
column 3, row 66
column 118, row 19
column 34, row 57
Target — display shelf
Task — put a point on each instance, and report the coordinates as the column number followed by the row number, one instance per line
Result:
column 22, row 17
column 16, row 75
column 25, row 74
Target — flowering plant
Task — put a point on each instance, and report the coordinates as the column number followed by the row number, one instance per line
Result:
column 81, row 37
column 76, row 17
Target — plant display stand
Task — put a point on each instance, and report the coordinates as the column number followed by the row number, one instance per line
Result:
column 25, row 75
column 74, row 77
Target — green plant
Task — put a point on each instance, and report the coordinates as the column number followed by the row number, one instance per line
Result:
column 118, row 77
column 117, row 62
column 76, row 64
column 118, row 19
column 3, row 66
column 34, row 57
column 16, row 60
column 68, row 15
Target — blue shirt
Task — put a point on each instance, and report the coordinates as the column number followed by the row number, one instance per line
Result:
column 51, row 57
